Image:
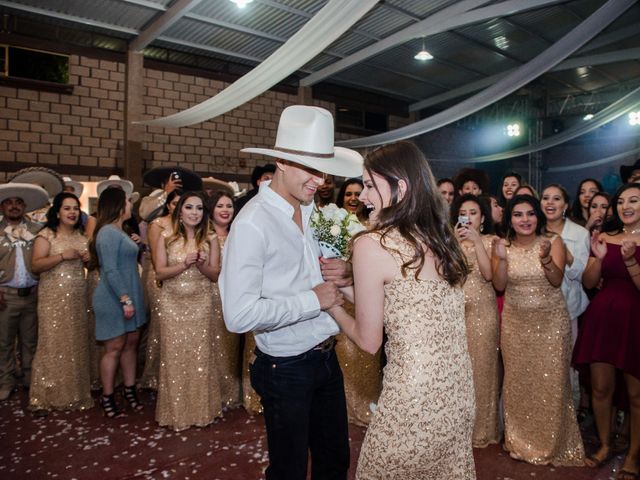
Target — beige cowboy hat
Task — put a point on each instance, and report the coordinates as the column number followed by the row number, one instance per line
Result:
column 114, row 181
column 78, row 187
column 215, row 184
column 305, row 136
column 43, row 177
column 33, row 196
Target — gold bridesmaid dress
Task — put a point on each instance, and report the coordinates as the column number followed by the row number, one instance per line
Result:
column 483, row 338
column 188, row 387
column 60, row 379
column 229, row 359
column 362, row 374
column 423, row 425
column 540, row 421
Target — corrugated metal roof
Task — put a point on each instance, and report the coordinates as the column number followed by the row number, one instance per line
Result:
column 217, row 31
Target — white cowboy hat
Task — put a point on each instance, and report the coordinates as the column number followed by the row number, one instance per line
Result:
column 78, row 187
column 305, row 136
column 43, row 177
column 33, row 196
column 115, row 181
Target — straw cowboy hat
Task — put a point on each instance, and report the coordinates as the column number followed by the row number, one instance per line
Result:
column 305, row 136
column 78, row 187
column 46, row 178
column 627, row 170
column 114, row 181
column 33, row 196
column 215, row 184
column 156, row 177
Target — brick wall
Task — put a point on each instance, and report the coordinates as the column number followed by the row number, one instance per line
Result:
column 60, row 130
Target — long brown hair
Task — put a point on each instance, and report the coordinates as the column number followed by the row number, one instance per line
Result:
column 202, row 230
column 420, row 215
column 111, row 205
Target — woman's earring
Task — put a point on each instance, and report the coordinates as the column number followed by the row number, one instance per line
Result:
column 481, row 228
column 564, row 213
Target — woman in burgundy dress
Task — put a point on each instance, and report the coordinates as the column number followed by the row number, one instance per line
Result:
column 610, row 337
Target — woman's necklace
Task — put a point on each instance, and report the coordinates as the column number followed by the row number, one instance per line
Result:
column 631, row 232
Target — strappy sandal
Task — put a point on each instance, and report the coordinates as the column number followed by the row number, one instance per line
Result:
column 109, row 407
column 626, row 475
column 596, row 462
column 131, row 396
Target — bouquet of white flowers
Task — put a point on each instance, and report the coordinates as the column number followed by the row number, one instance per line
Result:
column 334, row 227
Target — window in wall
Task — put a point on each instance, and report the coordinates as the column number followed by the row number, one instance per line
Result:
column 35, row 64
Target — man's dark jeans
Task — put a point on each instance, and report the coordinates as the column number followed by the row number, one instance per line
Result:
column 304, row 410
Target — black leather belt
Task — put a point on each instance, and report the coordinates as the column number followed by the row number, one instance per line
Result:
column 326, row 346
column 21, row 292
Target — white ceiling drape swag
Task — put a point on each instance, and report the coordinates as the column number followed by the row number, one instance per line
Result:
column 335, row 18
column 630, row 154
column 618, row 108
column 575, row 39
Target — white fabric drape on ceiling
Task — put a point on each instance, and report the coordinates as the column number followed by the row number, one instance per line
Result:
column 575, row 39
column 631, row 154
column 618, row 108
column 335, row 18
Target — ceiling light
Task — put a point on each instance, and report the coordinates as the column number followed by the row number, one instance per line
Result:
column 423, row 54
column 241, row 3
column 513, row 130
column 588, row 116
column 634, row 118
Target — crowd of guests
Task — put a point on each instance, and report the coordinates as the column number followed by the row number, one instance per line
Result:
column 551, row 305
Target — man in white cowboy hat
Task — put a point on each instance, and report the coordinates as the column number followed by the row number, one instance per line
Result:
column 272, row 285
column 43, row 177
column 18, row 297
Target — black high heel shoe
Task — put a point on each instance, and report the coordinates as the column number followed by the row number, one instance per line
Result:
column 131, row 395
column 109, row 407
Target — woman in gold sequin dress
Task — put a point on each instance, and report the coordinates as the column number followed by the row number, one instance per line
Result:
column 187, row 263
column 60, row 378
column 229, row 357
column 362, row 371
column 408, row 272
column 471, row 216
column 160, row 226
column 539, row 417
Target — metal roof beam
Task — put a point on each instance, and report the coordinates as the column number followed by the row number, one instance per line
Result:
column 591, row 60
column 162, row 23
column 428, row 27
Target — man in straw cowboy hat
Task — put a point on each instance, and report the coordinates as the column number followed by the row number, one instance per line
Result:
column 18, row 297
column 272, row 284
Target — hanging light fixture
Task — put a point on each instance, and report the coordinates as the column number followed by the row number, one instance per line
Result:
column 423, row 55
column 241, row 3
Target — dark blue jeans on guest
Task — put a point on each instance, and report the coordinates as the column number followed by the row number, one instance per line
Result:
column 304, row 410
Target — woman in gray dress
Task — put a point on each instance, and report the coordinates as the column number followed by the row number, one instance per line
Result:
column 118, row 300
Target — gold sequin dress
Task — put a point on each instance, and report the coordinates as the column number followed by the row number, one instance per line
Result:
column 540, row 421
column 60, row 377
column 483, row 337
column 362, row 376
column 229, row 358
column 189, row 388
column 96, row 350
column 423, row 425
column 149, row 378
column 250, row 399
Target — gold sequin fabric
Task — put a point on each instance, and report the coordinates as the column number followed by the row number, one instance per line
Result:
column 95, row 349
column 149, row 377
column 189, row 388
column 362, row 374
column 229, row 355
column 423, row 425
column 540, row 421
column 483, row 337
column 60, row 377
column 250, row 399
